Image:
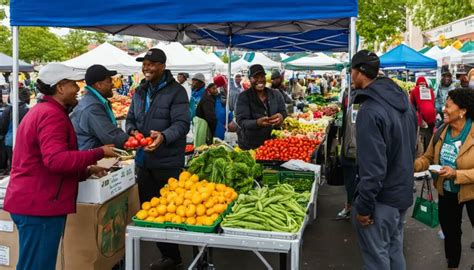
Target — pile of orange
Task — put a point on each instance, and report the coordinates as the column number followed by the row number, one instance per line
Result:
column 188, row 201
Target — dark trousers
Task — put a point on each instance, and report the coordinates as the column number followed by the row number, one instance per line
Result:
column 9, row 151
column 39, row 239
column 349, row 172
column 150, row 181
column 426, row 134
column 450, row 218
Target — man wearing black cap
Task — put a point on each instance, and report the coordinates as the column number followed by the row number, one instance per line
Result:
column 258, row 110
column 93, row 118
column 277, row 84
column 444, row 88
column 386, row 141
column 160, row 109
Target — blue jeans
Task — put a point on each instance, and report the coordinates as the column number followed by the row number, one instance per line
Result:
column 39, row 241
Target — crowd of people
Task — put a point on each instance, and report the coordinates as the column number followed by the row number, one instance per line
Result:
column 63, row 138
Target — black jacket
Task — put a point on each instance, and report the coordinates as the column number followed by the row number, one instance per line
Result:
column 249, row 108
column 93, row 126
column 169, row 114
column 386, row 140
column 206, row 110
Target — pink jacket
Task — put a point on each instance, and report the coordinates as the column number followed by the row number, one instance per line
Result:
column 47, row 165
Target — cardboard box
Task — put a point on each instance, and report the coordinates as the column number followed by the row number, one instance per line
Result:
column 94, row 237
column 100, row 190
column 8, row 242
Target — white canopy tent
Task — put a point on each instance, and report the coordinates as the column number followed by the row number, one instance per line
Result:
column 219, row 66
column 262, row 59
column 283, row 56
column 179, row 59
column 316, row 61
column 239, row 66
column 109, row 56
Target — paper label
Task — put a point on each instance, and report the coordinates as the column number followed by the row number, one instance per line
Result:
column 354, row 111
column 423, row 208
column 425, row 93
column 4, row 255
column 6, row 226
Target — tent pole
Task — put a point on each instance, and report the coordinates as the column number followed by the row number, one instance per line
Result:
column 14, row 89
column 352, row 51
column 229, row 69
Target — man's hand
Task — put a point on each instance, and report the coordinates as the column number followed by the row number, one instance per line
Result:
column 263, row 122
column 109, row 151
column 364, row 220
column 133, row 132
column 158, row 140
column 447, row 172
column 276, row 119
column 96, row 170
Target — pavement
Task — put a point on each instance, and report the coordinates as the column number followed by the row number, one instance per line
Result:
column 332, row 244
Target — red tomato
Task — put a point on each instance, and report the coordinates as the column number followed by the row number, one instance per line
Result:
column 127, row 145
column 139, row 136
column 134, row 143
column 149, row 140
column 143, row 142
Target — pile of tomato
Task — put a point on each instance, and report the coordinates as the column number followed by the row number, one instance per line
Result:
column 287, row 148
column 189, row 148
column 134, row 142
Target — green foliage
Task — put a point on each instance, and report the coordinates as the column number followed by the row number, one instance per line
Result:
column 428, row 14
column 96, row 37
column 136, row 45
column 381, row 21
column 76, row 42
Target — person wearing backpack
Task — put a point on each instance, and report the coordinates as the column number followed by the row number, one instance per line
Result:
column 423, row 99
column 23, row 102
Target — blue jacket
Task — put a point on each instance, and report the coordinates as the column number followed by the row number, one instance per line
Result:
column 386, row 140
column 196, row 96
column 168, row 113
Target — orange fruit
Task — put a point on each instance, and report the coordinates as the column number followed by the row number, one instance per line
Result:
column 185, row 175
column 177, row 220
column 173, row 185
column 180, row 191
column 214, row 217
column 152, row 212
column 219, row 208
column 159, row 219
column 196, row 199
column 146, row 205
column 172, row 180
column 161, row 209
column 207, row 221
column 169, row 216
column 179, row 200
column 220, row 187
column 205, row 196
column 187, row 202
column 164, row 191
column 190, row 210
column 211, row 187
column 142, row 214
column 200, row 210
column 181, row 183
column 163, row 201
column 194, row 178
column 150, row 219
column 188, row 184
column 228, row 194
column 181, row 211
column 234, row 196
column 191, row 220
column 171, row 197
column 221, row 199
column 209, row 204
column 188, row 195
column 171, row 208
column 154, row 201
column 210, row 211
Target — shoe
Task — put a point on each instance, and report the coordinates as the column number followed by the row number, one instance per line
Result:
column 344, row 214
column 166, row 264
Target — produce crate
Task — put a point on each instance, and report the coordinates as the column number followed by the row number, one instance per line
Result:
column 293, row 178
column 185, row 227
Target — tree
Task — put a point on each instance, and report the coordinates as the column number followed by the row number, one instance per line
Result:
column 76, row 42
column 381, row 21
column 428, row 14
column 136, row 44
column 97, row 37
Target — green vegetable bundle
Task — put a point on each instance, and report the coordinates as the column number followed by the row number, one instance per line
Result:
column 232, row 168
column 279, row 209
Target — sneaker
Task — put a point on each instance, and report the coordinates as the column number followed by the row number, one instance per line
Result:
column 344, row 214
column 166, row 264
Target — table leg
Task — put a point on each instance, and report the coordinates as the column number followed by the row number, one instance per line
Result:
column 136, row 253
column 295, row 255
column 128, row 252
column 283, row 260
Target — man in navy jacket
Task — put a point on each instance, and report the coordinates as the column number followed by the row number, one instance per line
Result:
column 386, row 140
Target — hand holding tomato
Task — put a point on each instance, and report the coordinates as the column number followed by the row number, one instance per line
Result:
column 263, row 121
column 158, row 139
column 276, row 119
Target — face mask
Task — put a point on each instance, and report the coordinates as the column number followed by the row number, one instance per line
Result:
column 471, row 84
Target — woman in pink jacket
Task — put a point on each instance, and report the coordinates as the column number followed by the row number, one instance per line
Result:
column 46, row 168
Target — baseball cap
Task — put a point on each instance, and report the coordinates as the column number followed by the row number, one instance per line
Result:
column 275, row 74
column 199, row 77
column 97, row 73
column 366, row 62
column 153, row 55
column 220, row 81
column 256, row 69
column 53, row 73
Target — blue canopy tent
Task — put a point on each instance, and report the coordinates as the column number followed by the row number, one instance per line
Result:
column 279, row 26
column 403, row 57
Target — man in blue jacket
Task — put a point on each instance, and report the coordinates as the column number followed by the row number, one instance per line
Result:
column 160, row 109
column 93, row 118
column 386, row 140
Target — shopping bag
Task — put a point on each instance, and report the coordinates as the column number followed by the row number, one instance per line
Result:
column 426, row 210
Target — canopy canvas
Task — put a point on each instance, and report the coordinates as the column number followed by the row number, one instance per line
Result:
column 108, row 55
column 260, row 58
column 317, row 61
column 6, row 64
column 305, row 25
column 219, row 66
column 405, row 58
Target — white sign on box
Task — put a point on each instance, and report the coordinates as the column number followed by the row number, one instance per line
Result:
column 100, row 190
column 4, row 255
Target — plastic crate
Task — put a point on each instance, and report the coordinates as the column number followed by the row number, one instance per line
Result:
column 270, row 177
column 275, row 177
